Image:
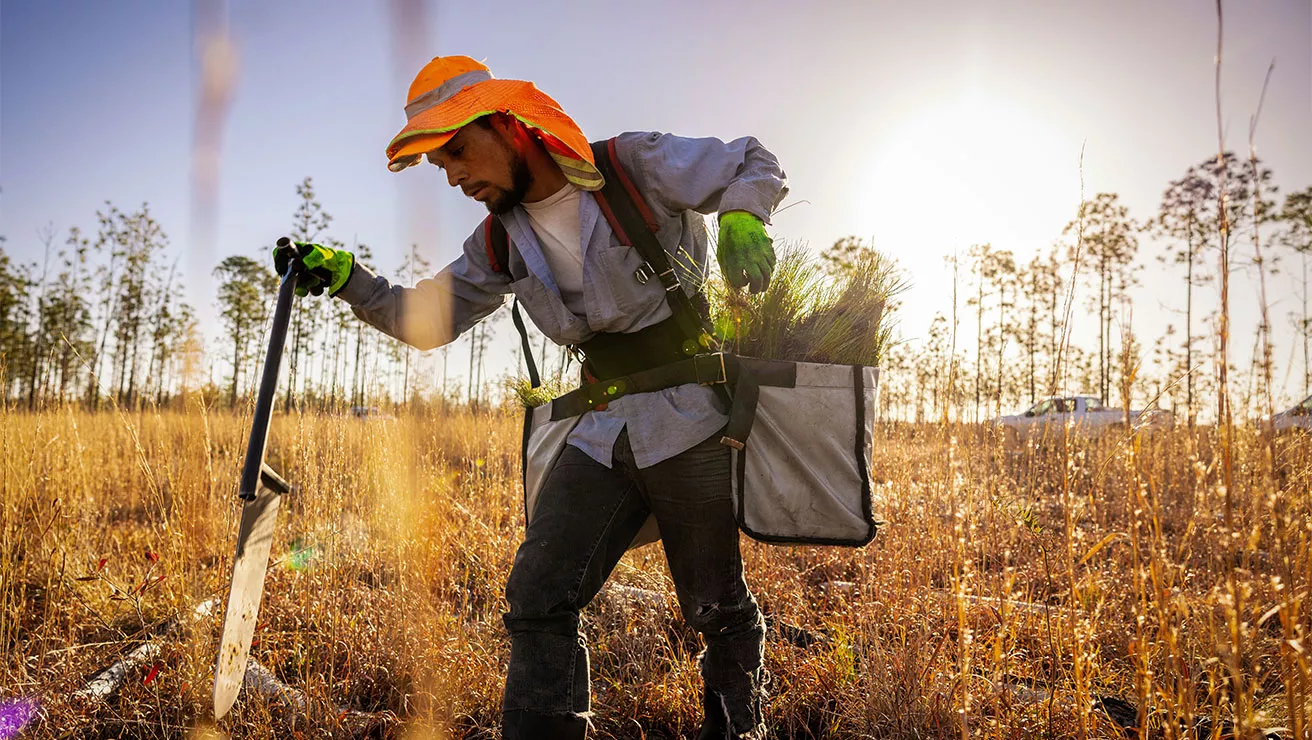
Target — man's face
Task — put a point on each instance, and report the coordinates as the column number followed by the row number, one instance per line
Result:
column 481, row 161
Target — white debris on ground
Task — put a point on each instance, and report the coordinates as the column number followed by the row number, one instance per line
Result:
column 258, row 681
column 621, row 595
column 108, row 681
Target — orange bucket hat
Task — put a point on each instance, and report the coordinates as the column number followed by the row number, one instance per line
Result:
column 450, row 92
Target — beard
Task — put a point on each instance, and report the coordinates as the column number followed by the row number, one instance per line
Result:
column 504, row 201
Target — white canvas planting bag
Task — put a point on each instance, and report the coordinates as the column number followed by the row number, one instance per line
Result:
column 802, row 435
column 544, row 440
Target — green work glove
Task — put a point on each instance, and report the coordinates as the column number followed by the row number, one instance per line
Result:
column 322, row 268
column 745, row 253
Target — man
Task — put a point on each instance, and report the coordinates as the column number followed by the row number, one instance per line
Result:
column 509, row 146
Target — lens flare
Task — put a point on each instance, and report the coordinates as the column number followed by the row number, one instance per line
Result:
column 15, row 714
column 302, row 555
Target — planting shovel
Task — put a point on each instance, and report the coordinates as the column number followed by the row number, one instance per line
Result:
column 259, row 491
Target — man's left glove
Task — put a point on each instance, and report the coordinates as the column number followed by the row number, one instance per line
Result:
column 745, row 252
column 322, row 268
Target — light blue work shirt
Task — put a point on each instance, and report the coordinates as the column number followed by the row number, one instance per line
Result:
column 680, row 179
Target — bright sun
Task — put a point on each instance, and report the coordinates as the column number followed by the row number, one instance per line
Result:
column 975, row 169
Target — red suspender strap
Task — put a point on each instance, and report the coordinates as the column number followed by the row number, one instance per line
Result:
column 652, row 224
column 487, row 244
column 610, row 218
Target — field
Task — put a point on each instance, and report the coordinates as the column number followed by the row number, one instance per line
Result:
column 1063, row 592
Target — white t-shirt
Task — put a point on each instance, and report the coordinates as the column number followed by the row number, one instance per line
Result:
column 555, row 220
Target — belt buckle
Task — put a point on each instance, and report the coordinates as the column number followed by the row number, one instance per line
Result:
column 711, row 364
column 643, row 273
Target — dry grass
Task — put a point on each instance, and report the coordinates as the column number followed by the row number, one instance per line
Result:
column 1009, row 592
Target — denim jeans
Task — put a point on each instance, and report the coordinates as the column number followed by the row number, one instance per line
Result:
column 584, row 519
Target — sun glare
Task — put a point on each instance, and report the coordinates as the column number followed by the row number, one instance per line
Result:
column 976, row 169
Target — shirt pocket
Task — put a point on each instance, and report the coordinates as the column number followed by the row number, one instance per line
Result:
column 623, row 301
column 547, row 311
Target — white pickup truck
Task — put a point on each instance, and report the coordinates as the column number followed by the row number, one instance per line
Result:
column 1086, row 416
column 1291, row 421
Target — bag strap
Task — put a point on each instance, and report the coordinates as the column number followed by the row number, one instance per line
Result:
column 533, row 378
column 497, row 243
column 634, row 224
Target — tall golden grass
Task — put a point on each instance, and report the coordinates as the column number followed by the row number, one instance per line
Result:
column 1013, row 592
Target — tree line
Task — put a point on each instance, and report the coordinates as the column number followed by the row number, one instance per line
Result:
column 1022, row 312
column 102, row 318
column 98, row 318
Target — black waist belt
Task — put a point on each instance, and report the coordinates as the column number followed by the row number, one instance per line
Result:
column 615, row 355
column 708, row 369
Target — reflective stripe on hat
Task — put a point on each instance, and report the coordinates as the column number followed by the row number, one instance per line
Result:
column 445, row 91
column 579, row 175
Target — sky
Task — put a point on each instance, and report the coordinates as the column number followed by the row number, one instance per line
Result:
column 923, row 127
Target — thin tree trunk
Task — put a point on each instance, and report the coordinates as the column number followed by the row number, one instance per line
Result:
column 36, row 369
column 1104, row 331
column 445, row 352
column 337, row 356
column 293, row 361
column 132, row 371
column 979, row 342
column 1054, row 337
column 1002, row 331
column 1307, row 330
column 357, row 378
column 1189, row 335
column 405, row 378
column 236, row 369
column 473, row 348
column 1034, row 340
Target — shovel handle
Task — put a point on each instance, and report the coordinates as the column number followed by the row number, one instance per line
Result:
column 250, row 473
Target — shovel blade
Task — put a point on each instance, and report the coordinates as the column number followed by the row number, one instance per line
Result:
column 254, row 541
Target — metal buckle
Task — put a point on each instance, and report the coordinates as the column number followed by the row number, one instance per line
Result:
column 643, row 273
column 710, row 364
column 670, row 279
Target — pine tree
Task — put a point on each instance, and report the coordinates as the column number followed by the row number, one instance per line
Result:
column 1183, row 216
column 1110, row 245
column 1003, row 275
column 15, row 294
column 412, row 266
column 308, row 224
column 363, row 256
column 994, row 272
column 1297, row 216
column 68, row 326
column 36, row 369
column 1038, row 284
column 133, row 240
column 245, row 285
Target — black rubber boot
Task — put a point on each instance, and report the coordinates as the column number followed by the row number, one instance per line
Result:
column 523, row 725
column 715, row 723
